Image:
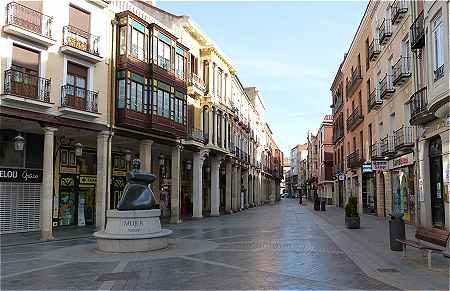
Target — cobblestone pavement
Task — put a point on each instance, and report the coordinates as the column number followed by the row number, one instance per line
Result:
column 269, row 247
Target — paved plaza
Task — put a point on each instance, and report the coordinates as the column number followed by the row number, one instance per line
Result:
column 271, row 247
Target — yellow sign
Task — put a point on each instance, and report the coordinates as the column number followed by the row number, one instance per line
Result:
column 88, row 179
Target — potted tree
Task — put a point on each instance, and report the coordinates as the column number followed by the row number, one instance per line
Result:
column 351, row 213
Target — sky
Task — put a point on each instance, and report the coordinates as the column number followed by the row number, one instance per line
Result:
column 289, row 50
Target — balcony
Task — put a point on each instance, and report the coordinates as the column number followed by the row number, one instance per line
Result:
column 374, row 49
column 375, row 151
column 417, row 33
column 26, row 90
column 355, row 118
column 374, row 101
column 401, row 71
column 81, row 44
column 438, row 73
column 337, row 135
column 338, row 102
column 354, row 82
column 385, row 31
column 196, row 85
column 404, row 138
column 418, row 105
column 387, row 146
column 196, row 134
column 354, row 160
column 29, row 24
column 78, row 102
column 398, row 10
column 386, row 87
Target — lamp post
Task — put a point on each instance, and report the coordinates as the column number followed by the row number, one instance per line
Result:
column 19, row 143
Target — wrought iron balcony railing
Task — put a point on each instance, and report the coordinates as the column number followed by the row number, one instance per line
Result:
column 401, row 70
column 354, row 160
column 398, row 10
column 374, row 49
column 81, row 40
column 355, row 79
column 197, row 134
column 404, row 137
column 196, row 81
column 29, row 19
column 79, row 98
column 439, row 73
column 418, row 105
column 338, row 102
column 385, row 31
column 375, row 151
column 387, row 145
column 164, row 63
column 374, row 101
column 26, row 85
column 386, row 87
column 418, row 32
column 355, row 118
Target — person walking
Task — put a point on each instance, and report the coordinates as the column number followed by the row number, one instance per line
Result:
column 300, row 199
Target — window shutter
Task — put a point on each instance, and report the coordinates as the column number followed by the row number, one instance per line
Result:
column 79, row 18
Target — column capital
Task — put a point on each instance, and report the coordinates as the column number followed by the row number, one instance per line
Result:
column 147, row 142
column 105, row 133
column 48, row 129
column 203, row 155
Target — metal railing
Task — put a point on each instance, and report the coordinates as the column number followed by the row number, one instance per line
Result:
column 354, row 79
column 418, row 102
column 26, row 85
column 197, row 135
column 386, row 145
column 401, row 69
column 138, row 53
column 339, row 101
column 439, row 73
column 374, row 49
column 374, row 100
column 196, row 81
column 354, row 160
column 82, row 40
column 29, row 19
column 418, row 32
column 164, row 63
column 398, row 10
column 79, row 98
column 404, row 136
column 375, row 151
column 385, row 31
column 354, row 118
column 386, row 86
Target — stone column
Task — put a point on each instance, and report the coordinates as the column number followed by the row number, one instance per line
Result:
column 246, row 187
column 47, row 185
column 210, row 125
column 175, row 185
column 145, row 155
column 228, row 186
column 235, row 192
column 215, row 190
column 101, row 191
column 197, row 183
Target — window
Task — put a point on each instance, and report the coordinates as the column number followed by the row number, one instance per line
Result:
column 79, row 18
column 131, row 92
column 438, row 47
column 219, row 82
column 367, row 54
column 194, row 65
column 179, row 65
column 122, row 40
column 162, row 52
column 137, row 40
column 76, row 81
column 25, row 70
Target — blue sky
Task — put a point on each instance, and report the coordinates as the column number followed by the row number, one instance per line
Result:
column 289, row 50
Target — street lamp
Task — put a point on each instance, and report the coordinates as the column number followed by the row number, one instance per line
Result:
column 161, row 160
column 19, row 143
column 78, row 149
column 188, row 165
column 127, row 153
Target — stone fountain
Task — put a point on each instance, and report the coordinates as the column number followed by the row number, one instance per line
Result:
column 135, row 225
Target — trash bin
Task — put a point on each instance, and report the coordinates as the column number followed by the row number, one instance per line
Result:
column 322, row 204
column 396, row 231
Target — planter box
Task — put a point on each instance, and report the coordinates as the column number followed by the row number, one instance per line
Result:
column 352, row 222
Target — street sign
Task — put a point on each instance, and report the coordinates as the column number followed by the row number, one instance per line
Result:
column 367, row 167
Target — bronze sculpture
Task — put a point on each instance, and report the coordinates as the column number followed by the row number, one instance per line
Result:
column 137, row 194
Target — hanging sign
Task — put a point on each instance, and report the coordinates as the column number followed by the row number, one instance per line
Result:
column 20, row 175
column 367, row 167
column 380, row 166
column 402, row 161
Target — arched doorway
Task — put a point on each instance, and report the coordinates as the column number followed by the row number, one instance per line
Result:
column 436, row 182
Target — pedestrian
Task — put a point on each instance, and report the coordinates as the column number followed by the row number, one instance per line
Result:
column 300, row 199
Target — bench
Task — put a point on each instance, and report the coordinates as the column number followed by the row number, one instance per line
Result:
column 434, row 236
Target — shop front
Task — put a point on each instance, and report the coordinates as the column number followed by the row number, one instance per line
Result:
column 369, row 190
column 21, row 156
column 403, row 192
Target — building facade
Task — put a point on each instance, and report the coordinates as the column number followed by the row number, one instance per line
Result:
column 90, row 85
column 325, row 179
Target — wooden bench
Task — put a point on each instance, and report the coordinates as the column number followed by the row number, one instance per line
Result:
column 434, row 236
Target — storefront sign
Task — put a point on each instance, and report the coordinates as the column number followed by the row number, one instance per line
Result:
column 367, row 167
column 402, row 161
column 88, row 179
column 20, row 175
column 380, row 166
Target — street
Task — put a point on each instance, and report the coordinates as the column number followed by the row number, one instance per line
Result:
column 270, row 247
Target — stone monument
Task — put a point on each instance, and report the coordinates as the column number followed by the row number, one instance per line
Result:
column 135, row 225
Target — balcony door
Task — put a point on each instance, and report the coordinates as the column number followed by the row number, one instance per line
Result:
column 76, row 80
column 79, row 31
column 25, row 72
column 436, row 183
column 29, row 19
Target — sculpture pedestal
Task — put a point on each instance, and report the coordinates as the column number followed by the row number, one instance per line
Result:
column 132, row 231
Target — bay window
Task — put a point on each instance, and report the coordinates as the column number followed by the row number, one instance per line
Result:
column 131, row 91
column 133, row 39
column 169, row 105
column 180, row 63
column 162, row 51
